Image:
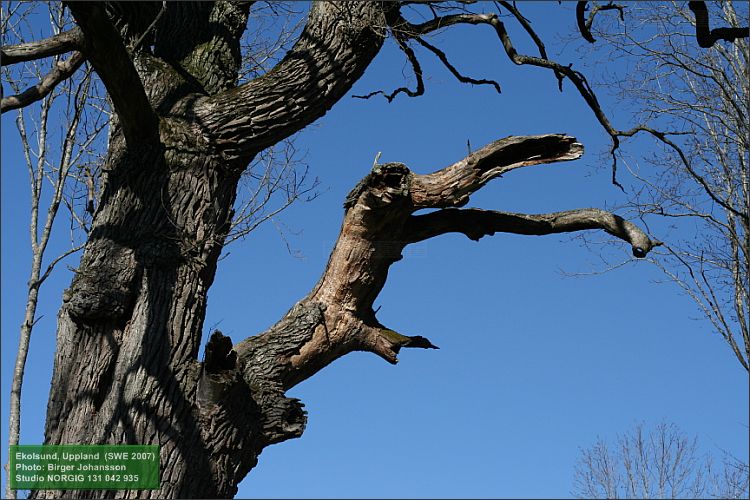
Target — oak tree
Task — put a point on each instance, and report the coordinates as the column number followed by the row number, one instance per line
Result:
column 182, row 133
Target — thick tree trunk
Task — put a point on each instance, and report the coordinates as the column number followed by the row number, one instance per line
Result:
column 126, row 367
column 129, row 330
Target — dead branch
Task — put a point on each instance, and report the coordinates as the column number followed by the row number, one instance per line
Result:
column 476, row 223
column 451, row 186
column 337, row 316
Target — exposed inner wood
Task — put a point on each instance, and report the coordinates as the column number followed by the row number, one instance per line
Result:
column 336, row 317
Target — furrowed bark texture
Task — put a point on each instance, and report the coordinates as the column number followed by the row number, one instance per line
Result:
column 130, row 327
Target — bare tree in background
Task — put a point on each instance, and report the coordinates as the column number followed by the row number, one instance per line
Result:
column 659, row 463
column 695, row 187
column 63, row 167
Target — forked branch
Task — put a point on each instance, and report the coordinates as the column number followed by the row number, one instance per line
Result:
column 337, row 316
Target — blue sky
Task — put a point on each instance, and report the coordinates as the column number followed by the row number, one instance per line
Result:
column 533, row 364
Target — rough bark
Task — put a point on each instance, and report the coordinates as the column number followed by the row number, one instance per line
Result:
column 129, row 330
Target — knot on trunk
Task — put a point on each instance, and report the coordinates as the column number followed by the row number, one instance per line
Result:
column 282, row 417
column 105, row 286
column 384, row 185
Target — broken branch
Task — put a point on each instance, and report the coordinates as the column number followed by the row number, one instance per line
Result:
column 452, row 185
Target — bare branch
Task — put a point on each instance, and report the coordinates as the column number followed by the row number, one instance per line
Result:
column 581, row 21
column 61, row 71
column 52, row 46
column 662, row 136
column 577, row 78
column 510, row 7
column 706, row 36
column 461, row 78
column 51, row 265
column 476, row 223
column 584, row 24
column 701, row 180
column 662, row 462
column 402, row 44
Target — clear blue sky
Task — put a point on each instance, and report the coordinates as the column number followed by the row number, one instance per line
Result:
column 532, row 365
